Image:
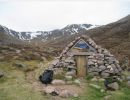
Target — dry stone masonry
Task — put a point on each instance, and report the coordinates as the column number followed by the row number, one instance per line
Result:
column 99, row 60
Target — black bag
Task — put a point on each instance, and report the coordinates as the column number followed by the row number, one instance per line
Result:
column 46, row 77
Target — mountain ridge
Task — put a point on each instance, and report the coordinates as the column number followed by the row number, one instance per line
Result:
column 44, row 35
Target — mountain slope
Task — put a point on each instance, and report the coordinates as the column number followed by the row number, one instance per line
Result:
column 6, row 37
column 114, row 37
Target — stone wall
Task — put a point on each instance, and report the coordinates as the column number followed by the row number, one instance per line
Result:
column 101, row 62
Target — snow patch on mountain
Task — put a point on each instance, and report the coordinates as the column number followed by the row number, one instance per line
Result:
column 54, row 34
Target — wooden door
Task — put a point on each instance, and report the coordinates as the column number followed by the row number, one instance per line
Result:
column 81, row 64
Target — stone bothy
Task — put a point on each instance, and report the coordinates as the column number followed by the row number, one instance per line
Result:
column 84, row 56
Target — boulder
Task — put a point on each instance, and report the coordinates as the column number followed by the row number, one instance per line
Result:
column 114, row 86
column 58, row 82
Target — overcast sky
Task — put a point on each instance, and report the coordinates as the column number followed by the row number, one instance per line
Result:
column 34, row 15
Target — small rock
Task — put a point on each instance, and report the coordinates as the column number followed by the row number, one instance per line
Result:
column 68, row 78
column 77, row 82
column 49, row 89
column 114, row 86
column 58, row 82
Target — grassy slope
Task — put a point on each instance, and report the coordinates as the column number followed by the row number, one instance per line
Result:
column 14, row 86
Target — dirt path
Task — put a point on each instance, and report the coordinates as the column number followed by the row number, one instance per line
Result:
column 32, row 78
